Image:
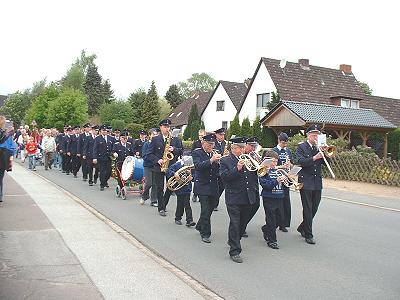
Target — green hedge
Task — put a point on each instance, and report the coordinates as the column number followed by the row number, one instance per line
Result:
column 394, row 144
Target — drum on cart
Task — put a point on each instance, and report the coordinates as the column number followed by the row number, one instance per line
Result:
column 132, row 169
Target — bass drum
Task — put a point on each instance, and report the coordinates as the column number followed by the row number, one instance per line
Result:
column 132, row 169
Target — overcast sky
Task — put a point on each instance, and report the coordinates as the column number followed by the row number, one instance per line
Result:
column 166, row 41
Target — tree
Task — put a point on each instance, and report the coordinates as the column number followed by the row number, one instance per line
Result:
column 173, row 96
column 365, row 87
column 246, row 129
column 39, row 107
column 165, row 109
column 93, row 89
column 194, row 124
column 257, row 132
column 151, row 109
column 269, row 138
column 136, row 99
column 108, row 93
column 201, row 82
column 117, row 110
column 275, row 99
column 234, row 128
column 70, row 107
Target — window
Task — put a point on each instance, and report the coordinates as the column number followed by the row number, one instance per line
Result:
column 262, row 100
column 225, row 124
column 220, row 105
column 350, row 103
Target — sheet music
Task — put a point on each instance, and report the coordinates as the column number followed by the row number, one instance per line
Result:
column 267, row 162
column 294, row 170
column 321, row 140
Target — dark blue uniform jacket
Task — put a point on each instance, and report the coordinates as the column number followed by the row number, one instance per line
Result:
column 206, row 173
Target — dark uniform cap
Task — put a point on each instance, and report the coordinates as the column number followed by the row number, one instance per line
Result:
column 87, row 125
column 165, row 122
column 69, row 128
column 77, row 127
column 117, row 130
column 240, row 141
column 283, row 137
column 313, row 128
column 124, row 133
column 252, row 140
column 95, row 126
column 109, row 127
column 211, row 138
column 220, row 131
column 103, row 127
column 142, row 132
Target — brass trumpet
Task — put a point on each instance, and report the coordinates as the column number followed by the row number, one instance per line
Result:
column 289, row 181
column 252, row 162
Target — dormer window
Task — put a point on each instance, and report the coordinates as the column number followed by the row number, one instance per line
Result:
column 262, row 100
column 220, row 105
column 350, row 103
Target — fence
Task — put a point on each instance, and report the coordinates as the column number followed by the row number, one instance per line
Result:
column 351, row 165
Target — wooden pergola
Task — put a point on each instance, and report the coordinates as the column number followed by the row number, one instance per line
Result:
column 342, row 121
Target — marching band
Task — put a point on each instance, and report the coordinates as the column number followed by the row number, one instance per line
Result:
column 208, row 171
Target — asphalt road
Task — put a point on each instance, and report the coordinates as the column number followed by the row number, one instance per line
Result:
column 357, row 255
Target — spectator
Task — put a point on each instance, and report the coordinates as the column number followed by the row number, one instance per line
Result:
column 7, row 149
column 49, row 148
column 31, row 149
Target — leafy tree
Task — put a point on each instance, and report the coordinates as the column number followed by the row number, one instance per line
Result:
column 246, row 129
column 165, row 109
column 173, row 97
column 275, row 99
column 136, row 99
column 70, row 107
column 194, row 123
column 257, row 132
column 93, row 89
column 269, row 138
column 151, row 108
column 117, row 124
column 365, row 87
column 108, row 93
column 201, row 82
column 117, row 110
column 134, row 129
column 38, row 110
column 234, row 128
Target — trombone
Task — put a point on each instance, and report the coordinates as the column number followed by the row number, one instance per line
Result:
column 329, row 151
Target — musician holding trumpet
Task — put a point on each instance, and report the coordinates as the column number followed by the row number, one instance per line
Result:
column 310, row 158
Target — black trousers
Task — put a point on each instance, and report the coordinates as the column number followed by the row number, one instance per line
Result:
column 68, row 163
column 238, row 219
column 273, row 208
column 85, row 167
column 253, row 211
column 75, row 163
column 92, row 167
column 166, row 197
column 287, row 211
column 105, row 171
column 221, row 188
column 183, row 203
column 159, row 179
column 149, row 184
column 207, row 205
column 310, row 201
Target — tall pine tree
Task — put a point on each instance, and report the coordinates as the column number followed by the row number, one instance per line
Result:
column 173, row 96
column 108, row 93
column 136, row 99
column 234, row 128
column 257, row 128
column 246, row 130
column 151, row 109
column 275, row 99
column 93, row 89
column 194, row 124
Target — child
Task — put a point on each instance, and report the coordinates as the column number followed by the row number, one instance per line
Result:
column 183, row 194
column 272, row 194
column 31, row 149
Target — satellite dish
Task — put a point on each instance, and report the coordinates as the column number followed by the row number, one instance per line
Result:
column 282, row 63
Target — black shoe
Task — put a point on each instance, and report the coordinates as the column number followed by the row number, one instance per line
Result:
column 237, row 258
column 245, row 235
column 216, row 209
column 178, row 222
column 67, row 173
column 301, row 232
column 155, row 204
column 84, row 179
column 310, row 241
column 283, row 229
column 107, row 186
column 95, row 181
column 190, row 224
column 62, row 171
column 194, row 198
column 162, row 213
column 101, row 188
column 50, row 167
column 90, row 183
column 273, row 245
column 205, row 239
column 75, row 176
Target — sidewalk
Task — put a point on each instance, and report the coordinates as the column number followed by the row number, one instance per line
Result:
column 51, row 247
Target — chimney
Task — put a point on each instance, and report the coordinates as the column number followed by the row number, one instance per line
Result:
column 304, row 63
column 346, row 69
column 247, row 82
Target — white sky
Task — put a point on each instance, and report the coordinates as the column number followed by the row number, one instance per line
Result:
column 166, row 41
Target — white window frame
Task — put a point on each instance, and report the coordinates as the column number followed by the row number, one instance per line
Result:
column 225, row 125
column 350, row 103
column 265, row 98
column 223, row 105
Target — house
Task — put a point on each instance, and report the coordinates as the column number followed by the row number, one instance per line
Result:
column 3, row 99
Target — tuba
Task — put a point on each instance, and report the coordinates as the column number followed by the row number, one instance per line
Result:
column 181, row 178
column 289, row 181
column 252, row 162
column 167, row 156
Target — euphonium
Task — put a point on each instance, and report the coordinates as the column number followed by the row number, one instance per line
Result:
column 252, row 162
column 289, row 181
column 183, row 176
column 167, row 156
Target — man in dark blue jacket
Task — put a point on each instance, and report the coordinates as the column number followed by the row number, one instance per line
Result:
column 81, row 142
column 310, row 159
column 73, row 150
column 101, row 155
column 87, row 154
column 148, row 172
column 241, row 192
column 220, row 147
column 121, row 150
column 65, row 148
column 206, row 164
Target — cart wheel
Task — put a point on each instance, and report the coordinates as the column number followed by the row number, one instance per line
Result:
column 118, row 191
column 123, row 193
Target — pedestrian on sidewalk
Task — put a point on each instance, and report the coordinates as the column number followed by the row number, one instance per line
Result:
column 49, row 148
column 23, row 139
column 7, row 150
column 31, row 149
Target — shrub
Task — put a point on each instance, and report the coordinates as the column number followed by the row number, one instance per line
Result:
column 394, row 143
column 187, row 145
column 134, row 128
